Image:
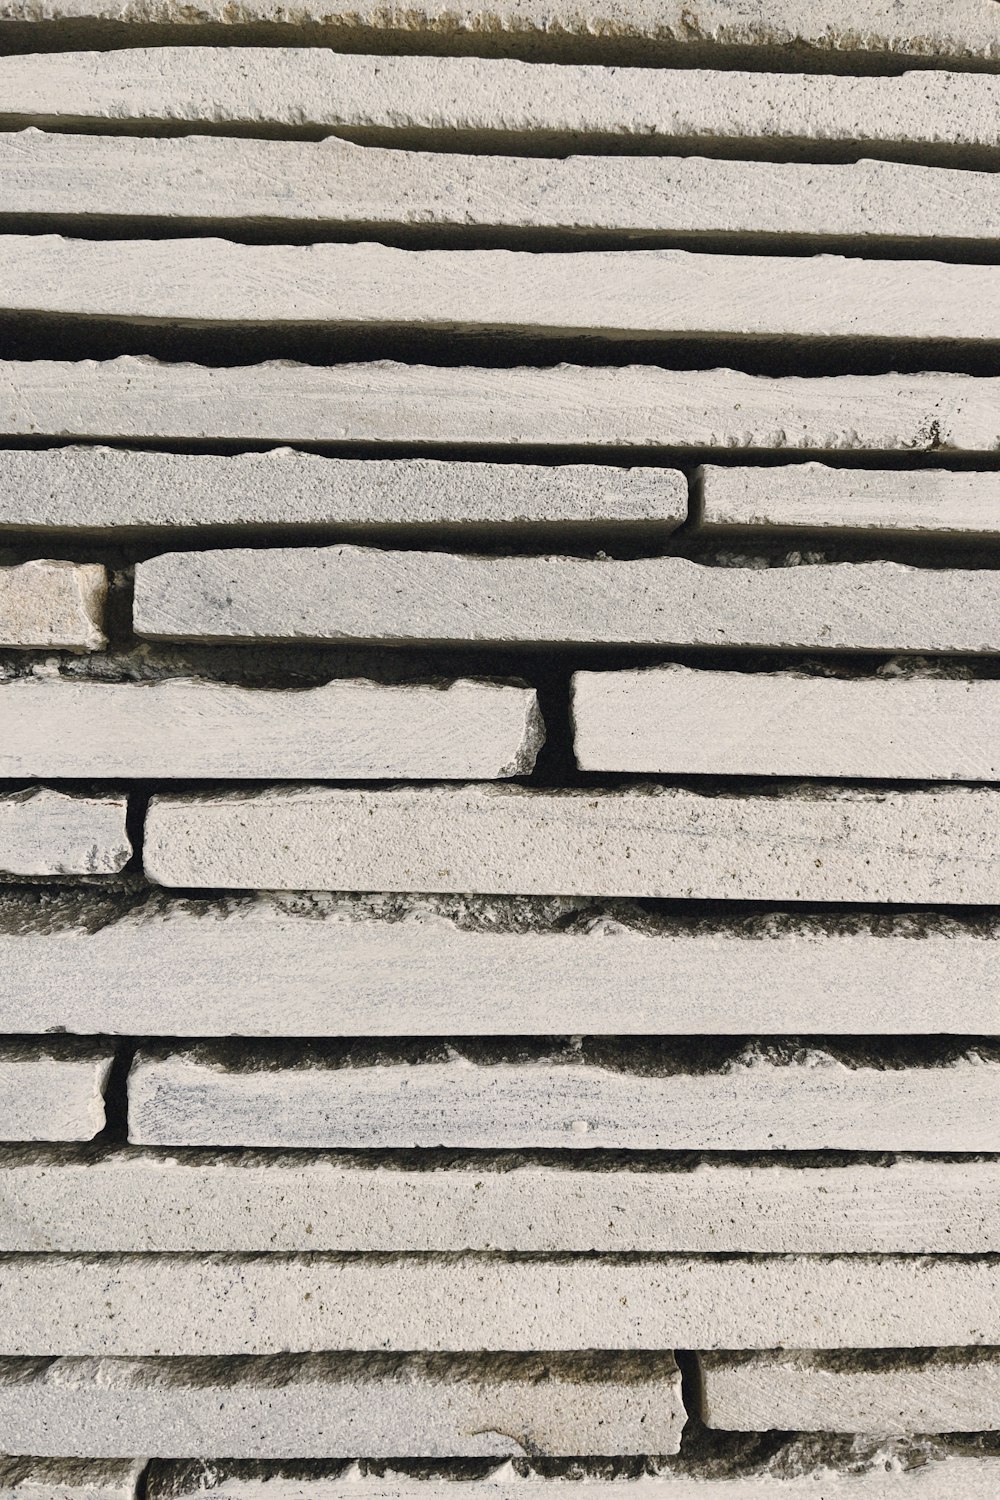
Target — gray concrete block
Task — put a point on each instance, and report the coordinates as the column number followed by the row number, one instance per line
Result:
column 52, row 604
column 53, row 1092
column 45, row 832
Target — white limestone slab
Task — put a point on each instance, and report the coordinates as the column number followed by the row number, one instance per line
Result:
column 322, row 1407
column 944, row 1390
column 52, row 1094
column 430, row 406
column 201, row 182
column 57, row 604
column 108, row 489
column 756, row 1101
column 817, row 844
column 355, row 730
column 248, row 1202
column 604, row 294
column 811, row 497
column 45, row 832
column 474, row 100
column 348, row 593
column 68, row 1479
column 685, row 721
column 273, row 966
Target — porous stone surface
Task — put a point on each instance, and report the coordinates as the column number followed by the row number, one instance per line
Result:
column 200, row 182
column 55, row 726
column 756, row 1099
column 79, row 488
column 500, row 102
column 326, row 1407
column 817, row 844
column 68, row 1479
column 929, row 1390
column 685, row 721
column 347, row 593
column 934, row 503
column 258, row 1201
column 428, row 406
column 53, row 1091
column 602, row 294
column 44, row 603
column 45, row 832
column 315, row 966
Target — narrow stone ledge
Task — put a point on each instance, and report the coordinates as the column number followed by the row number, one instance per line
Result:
column 53, row 1090
column 327, row 1407
column 69, row 1479
column 45, row 832
column 57, row 604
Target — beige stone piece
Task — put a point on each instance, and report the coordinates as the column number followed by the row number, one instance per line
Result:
column 500, row 102
column 930, row 1390
column 227, row 184
column 68, row 1479
column 326, row 1407
column 52, row 1095
column 109, row 489
column 935, row 503
column 808, row 1100
column 682, row 721
column 249, row 1202
column 181, row 727
column 45, row 832
column 428, row 406
column 602, row 294
column 57, row 604
column 348, row 593
column 815, row 844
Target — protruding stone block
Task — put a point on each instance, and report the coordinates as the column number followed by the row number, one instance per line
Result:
column 45, row 832
column 69, row 1479
column 52, row 1091
column 52, row 604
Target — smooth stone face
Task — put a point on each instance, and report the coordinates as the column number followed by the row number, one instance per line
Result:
column 45, row 832
column 51, row 1094
column 58, row 604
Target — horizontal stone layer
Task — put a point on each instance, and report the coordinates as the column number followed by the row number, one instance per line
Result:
column 756, row 1100
column 347, row 593
column 894, row 1392
column 250, row 1201
column 52, row 604
column 428, row 406
column 313, row 967
column 811, row 497
column 52, row 1093
column 435, row 100
column 322, row 1407
column 199, row 182
column 814, row 844
column 68, row 1479
column 107, row 489
column 45, row 832
column 354, row 730
column 603, row 294
column 681, row 721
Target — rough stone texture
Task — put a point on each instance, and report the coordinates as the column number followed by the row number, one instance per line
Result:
column 322, row 1407
column 45, row 832
column 198, row 182
column 895, row 1392
column 816, row 844
column 248, row 1201
column 694, row 722
column 292, row 966
column 52, row 726
column 812, row 497
column 432, row 406
column 52, row 1093
column 347, row 593
column 77, row 488
column 46, row 603
column 603, row 294
column 68, row 1479
column 500, row 102
column 757, row 1100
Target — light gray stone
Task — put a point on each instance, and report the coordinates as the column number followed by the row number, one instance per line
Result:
column 322, row 1407
column 685, row 721
column 756, row 1100
column 44, row 603
column 815, row 844
column 945, row 1390
column 68, row 1479
column 56, row 726
column 45, row 832
column 430, row 406
column 196, row 182
column 811, row 497
column 51, row 1093
column 107, row 489
column 602, row 294
column 250, row 1201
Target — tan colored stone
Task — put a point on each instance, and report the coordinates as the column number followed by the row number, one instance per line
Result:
column 52, row 604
